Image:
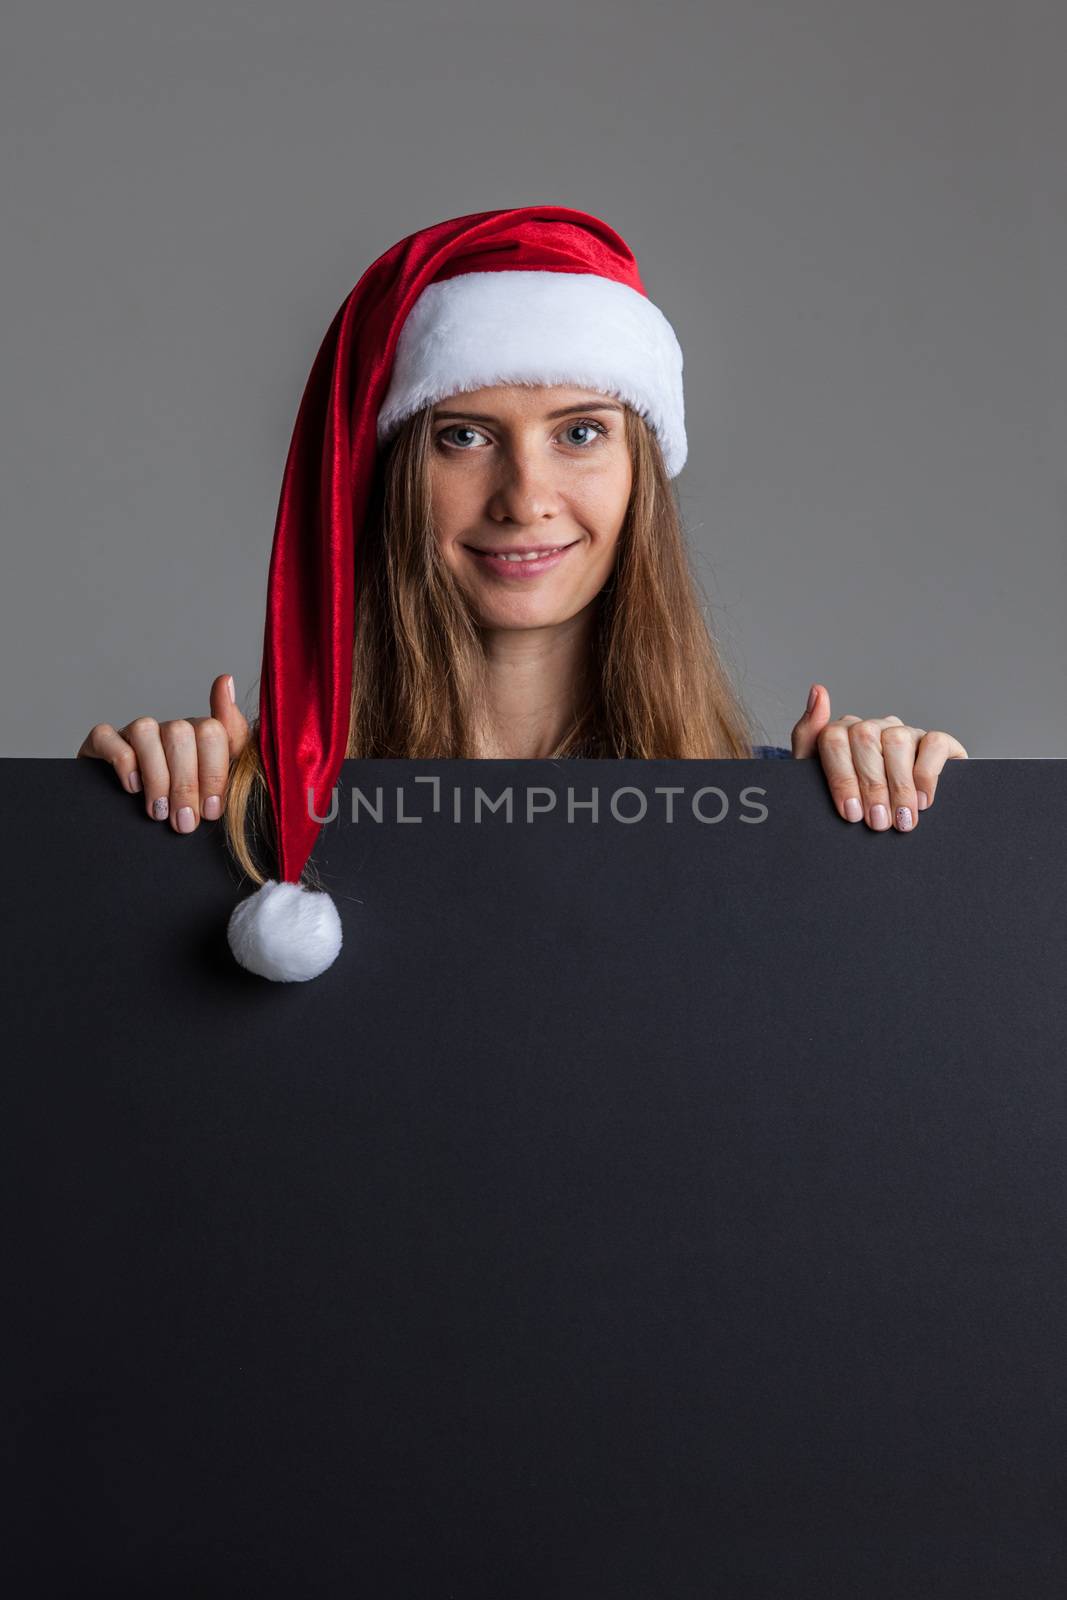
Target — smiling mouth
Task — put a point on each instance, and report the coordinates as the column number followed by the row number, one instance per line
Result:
column 518, row 565
column 523, row 552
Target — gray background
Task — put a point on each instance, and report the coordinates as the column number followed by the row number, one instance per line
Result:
column 852, row 213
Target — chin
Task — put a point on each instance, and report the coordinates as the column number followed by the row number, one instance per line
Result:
column 534, row 617
column 494, row 608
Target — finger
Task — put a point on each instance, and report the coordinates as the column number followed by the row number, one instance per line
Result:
column 212, row 765
column 835, row 753
column 224, row 708
column 143, row 735
column 806, row 730
column 935, row 748
column 865, row 746
column 179, row 745
column 105, row 744
column 899, row 744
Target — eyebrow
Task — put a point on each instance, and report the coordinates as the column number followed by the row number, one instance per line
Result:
column 565, row 411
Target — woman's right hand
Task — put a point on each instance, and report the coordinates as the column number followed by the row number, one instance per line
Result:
column 183, row 766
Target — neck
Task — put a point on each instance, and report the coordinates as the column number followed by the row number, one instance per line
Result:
column 533, row 679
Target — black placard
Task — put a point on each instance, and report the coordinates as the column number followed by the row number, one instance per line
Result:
column 635, row 1209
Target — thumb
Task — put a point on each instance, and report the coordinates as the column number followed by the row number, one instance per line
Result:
column 816, row 715
column 224, row 706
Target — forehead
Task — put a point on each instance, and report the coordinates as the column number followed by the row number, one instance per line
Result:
column 526, row 400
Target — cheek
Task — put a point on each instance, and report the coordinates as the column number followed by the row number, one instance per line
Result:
column 603, row 506
column 449, row 509
column 618, row 481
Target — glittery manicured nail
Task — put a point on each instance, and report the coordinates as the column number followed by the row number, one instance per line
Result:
column 853, row 809
column 879, row 817
column 161, row 808
column 904, row 818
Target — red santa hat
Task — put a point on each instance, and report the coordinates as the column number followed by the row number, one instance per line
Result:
column 533, row 294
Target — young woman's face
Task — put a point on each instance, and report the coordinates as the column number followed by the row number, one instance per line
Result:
column 518, row 470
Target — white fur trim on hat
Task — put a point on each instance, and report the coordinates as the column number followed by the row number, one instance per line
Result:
column 285, row 932
column 480, row 329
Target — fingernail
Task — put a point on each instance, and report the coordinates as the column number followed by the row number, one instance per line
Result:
column 135, row 782
column 211, row 807
column 186, row 820
column 923, row 802
column 813, row 696
column 879, row 817
column 904, row 818
column 161, row 808
column 233, row 692
column 853, row 809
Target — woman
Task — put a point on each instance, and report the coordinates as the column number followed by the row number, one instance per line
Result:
column 487, row 442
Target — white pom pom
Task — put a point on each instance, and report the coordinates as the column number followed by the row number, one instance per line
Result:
column 285, row 932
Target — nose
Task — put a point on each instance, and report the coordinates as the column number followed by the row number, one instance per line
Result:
column 524, row 491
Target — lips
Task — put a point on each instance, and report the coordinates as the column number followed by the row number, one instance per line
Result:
column 521, row 562
column 524, row 550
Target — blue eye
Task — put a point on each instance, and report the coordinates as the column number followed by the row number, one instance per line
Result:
column 458, row 427
column 598, row 428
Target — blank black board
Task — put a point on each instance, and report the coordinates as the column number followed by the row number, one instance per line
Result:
column 635, row 1209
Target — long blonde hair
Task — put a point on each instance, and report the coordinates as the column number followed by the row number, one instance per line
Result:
column 656, row 687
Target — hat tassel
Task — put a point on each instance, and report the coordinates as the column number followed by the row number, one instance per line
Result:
column 285, row 932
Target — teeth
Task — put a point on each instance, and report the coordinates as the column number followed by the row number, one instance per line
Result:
column 503, row 555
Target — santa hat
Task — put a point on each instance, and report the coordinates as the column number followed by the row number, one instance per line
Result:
column 535, row 295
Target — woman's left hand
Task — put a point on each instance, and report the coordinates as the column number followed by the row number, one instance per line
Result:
column 877, row 767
